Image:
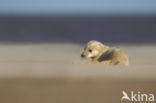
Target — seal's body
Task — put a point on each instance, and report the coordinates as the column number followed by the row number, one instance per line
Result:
column 99, row 53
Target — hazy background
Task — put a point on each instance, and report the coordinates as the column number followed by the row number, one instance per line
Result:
column 113, row 7
column 78, row 20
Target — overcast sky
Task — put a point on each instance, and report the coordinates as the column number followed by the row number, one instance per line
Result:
column 139, row 7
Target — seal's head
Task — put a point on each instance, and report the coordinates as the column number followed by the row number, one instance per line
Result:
column 93, row 49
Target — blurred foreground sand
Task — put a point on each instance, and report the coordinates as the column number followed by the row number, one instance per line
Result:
column 44, row 73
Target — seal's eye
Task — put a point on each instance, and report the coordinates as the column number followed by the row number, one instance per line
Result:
column 90, row 50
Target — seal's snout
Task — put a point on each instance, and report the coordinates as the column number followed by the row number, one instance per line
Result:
column 82, row 56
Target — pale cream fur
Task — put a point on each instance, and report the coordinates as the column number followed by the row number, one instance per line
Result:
column 100, row 53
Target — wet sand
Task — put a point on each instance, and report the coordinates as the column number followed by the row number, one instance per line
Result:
column 44, row 73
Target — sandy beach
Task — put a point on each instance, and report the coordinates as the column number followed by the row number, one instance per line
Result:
column 43, row 72
column 41, row 42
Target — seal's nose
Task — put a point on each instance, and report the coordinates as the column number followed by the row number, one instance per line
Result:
column 82, row 56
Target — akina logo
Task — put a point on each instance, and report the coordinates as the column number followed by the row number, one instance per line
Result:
column 137, row 96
